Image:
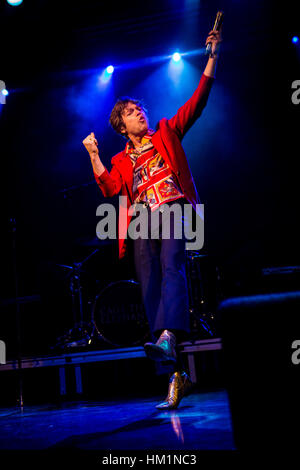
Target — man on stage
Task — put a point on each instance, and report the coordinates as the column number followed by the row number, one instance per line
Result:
column 153, row 170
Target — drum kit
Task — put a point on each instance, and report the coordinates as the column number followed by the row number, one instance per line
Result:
column 116, row 315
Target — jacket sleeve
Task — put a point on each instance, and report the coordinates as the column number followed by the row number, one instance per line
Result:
column 192, row 109
column 109, row 183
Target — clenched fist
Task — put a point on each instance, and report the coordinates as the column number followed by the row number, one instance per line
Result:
column 91, row 144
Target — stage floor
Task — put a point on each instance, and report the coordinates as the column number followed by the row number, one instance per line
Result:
column 202, row 422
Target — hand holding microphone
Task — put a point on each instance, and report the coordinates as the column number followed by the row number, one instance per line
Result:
column 214, row 37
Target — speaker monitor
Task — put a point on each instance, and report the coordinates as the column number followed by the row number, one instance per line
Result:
column 261, row 351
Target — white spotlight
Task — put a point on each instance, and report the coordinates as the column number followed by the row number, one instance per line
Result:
column 110, row 69
column 14, row 3
column 176, row 57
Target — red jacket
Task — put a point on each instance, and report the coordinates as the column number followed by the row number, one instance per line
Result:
column 167, row 142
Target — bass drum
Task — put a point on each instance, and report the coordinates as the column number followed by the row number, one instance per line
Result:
column 119, row 316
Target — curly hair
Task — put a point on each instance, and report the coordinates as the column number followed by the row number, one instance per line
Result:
column 116, row 120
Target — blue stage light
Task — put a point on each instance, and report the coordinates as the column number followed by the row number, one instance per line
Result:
column 110, row 69
column 14, row 3
column 176, row 57
column 106, row 75
column 295, row 39
column 4, row 92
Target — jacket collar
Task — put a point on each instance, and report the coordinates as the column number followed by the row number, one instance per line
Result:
column 145, row 140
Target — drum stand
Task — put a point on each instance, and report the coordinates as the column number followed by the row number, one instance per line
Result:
column 196, row 293
column 82, row 333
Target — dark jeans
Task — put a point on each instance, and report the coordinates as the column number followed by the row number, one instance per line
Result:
column 160, row 269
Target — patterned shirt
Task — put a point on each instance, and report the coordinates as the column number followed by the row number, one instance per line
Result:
column 153, row 180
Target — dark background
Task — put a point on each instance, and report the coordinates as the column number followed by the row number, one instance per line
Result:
column 243, row 151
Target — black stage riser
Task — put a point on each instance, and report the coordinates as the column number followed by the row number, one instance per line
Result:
column 261, row 379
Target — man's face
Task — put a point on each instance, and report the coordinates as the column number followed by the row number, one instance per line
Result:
column 135, row 120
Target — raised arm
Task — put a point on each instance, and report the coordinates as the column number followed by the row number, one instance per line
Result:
column 192, row 109
column 109, row 183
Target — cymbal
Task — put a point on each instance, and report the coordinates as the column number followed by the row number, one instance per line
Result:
column 195, row 254
column 63, row 266
column 93, row 242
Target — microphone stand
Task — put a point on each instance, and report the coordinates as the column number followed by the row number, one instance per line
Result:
column 18, row 319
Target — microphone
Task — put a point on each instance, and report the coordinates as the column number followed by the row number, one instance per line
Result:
column 217, row 27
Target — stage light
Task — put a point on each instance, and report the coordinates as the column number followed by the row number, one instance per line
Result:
column 14, row 3
column 295, row 39
column 110, row 69
column 176, row 57
column 106, row 75
column 4, row 92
